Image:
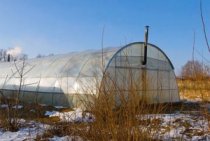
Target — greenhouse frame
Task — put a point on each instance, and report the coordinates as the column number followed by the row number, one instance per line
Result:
column 62, row 79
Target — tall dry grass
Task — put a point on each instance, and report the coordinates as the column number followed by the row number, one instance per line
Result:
column 120, row 111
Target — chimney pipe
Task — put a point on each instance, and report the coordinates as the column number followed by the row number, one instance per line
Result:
column 145, row 45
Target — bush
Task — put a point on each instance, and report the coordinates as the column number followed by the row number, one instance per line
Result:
column 195, row 70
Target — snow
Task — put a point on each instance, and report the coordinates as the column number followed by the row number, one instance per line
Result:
column 51, row 113
column 73, row 116
column 4, row 106
column 26, row 133
column 17, row 107
column 179, row 126
column 66, row 138
column 30, row 132
column 14, row 107
column 59, row 107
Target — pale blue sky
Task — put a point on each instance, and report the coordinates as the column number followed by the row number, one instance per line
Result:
column 60, row 26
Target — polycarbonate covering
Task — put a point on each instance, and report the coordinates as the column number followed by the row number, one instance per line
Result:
column 61, row 79
column 155, row 81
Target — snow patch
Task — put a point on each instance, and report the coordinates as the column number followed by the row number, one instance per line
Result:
column 177, row 126
column 66, row 138
column 73, row 116
column 27, row 133
column 59, row 107
column 14, row 107
column 4, row 106
column 17, row 107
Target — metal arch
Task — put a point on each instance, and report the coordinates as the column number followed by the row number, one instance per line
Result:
column 126, row 46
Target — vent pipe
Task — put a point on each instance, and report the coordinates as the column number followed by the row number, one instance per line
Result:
column 145, row 45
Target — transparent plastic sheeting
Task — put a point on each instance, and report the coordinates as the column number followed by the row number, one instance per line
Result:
column 61, row 79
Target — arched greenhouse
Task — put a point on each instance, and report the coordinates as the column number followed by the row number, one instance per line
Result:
column 62, row 79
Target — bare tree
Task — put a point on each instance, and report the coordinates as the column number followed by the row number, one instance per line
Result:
column 195, row 70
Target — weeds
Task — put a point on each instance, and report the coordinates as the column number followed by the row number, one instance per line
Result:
column 10, row 118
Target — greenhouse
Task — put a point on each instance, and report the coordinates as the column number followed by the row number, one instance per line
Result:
column 62, row 79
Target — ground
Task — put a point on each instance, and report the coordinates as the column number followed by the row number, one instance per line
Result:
column 187, row 120
column 179, row 125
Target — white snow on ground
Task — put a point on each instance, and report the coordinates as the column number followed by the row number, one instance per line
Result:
column 66, row 138
column 59, row 107
column 73, row 116
column 27, row 133
column 4, row 105
column 14, row 107
column 179, row 126
column 17, row 107
column 51, row 113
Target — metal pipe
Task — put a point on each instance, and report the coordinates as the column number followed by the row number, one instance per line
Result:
column 145, row 45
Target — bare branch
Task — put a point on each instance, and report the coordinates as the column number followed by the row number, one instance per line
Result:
column 17, row 69
column 204, row 26
column 28, row 70
column 202, row 56
column 102, row 47
column 193, row 51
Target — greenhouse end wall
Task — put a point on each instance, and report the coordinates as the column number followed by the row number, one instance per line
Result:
column 155, row 81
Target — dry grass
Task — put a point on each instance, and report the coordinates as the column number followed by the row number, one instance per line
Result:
column 119, row 115
column 28, row 112
column 197, row 90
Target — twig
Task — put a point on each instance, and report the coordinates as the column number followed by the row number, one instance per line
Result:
column 193, row 51
column 204, row 26
column 102, row 47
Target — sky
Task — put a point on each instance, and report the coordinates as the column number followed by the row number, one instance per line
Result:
column 61, row 26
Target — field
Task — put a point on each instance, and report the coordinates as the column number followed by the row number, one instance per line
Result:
column 194, row 90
